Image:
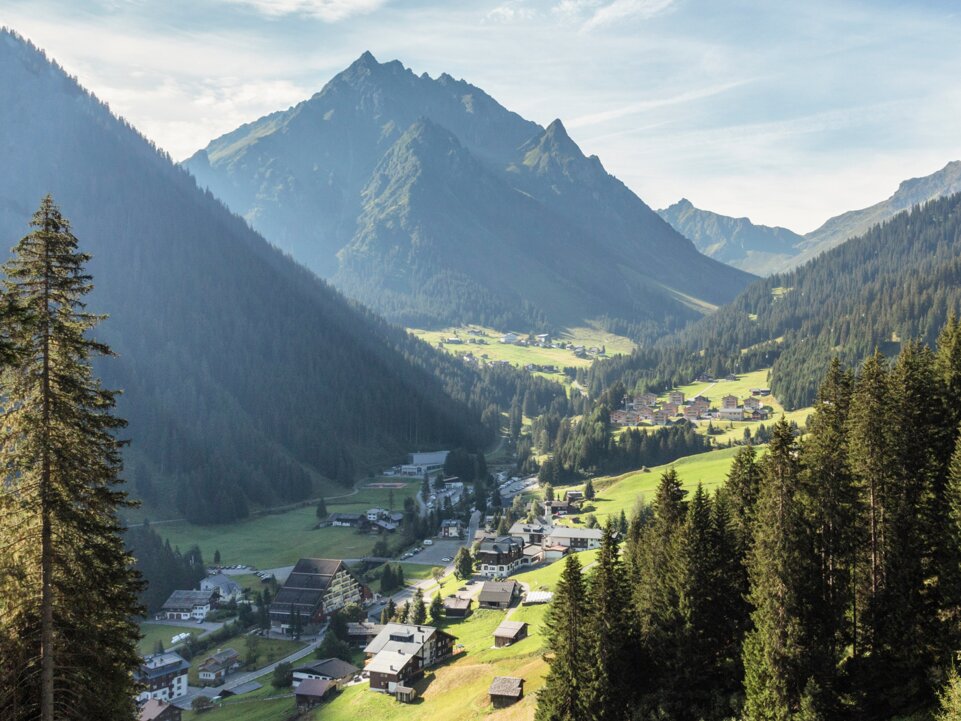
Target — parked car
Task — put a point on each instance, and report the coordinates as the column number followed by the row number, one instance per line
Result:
column 428, row 542
column 447, row 559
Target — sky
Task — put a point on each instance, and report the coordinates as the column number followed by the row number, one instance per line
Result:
column 785, row 112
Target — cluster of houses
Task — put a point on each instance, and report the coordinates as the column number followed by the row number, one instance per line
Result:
column 374, row 519
column 528, row 544
column 646, row 408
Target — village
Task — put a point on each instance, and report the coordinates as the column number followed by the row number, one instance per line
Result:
column 390, row 657
column 647, row 409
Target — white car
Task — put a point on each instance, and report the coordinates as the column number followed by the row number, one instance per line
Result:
column 447, row 559
column 428, row 542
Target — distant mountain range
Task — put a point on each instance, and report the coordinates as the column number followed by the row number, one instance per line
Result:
column 433, row 204
column 759, row 249
column 764, row 250
column 247, row 380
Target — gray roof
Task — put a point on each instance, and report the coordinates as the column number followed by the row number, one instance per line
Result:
column 510, row 629
column 565, row 532
column 242, row 688
column 506, row 686
column 497, row 591
column 313, row 687
column 160, row 664
column 407, row 638
column 390, row 661
column 188, row 599
column 501, row 544
column 226, row 586
column 332, row 667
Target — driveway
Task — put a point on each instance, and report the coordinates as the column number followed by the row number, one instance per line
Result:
column 432, row 555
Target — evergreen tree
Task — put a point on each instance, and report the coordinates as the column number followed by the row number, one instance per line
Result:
column 949, row 700
column 611, row 631
column 773, row 654
column 463, row 564
column 589, row 490
column 831, row 508
column 417, row 614
column 321, row 509
column 436, row 609
column 548, row 492
column 390, row 610
column 217, row 557
column 566, row 694
column 68, row 592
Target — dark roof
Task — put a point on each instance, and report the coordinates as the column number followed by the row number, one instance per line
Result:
column 160, row 664
column 506, row 686
column 305, row 586
column 364, row 628
column 188, row 599
column 501, row 544
column 457, row 602
column 315, row 687
column 497, row 591
column 241, row 688
column 333, row 667
column 510, row 629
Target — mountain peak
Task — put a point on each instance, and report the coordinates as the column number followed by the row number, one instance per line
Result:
column 557, row 130
column 366, row 60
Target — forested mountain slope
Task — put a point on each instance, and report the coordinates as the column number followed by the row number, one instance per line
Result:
column 246, row 379
column 764, row 250
column 432, row 203
column 900, row 280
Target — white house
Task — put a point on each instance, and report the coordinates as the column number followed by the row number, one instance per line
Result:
column 188, row 605
column 226, row 589
column 510, row 338
column 576, row 539
column 376, row 514
column 163, row 676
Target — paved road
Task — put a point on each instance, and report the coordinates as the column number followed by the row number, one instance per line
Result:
column 234, row 681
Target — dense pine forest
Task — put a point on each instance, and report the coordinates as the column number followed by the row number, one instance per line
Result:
column 900, row 280
column 823, row 581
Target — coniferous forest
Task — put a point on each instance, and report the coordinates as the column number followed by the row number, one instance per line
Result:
column 820, row 582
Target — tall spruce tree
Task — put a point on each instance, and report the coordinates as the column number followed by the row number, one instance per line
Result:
column 831, row 509
column 611, row 631
column 75, row 591
column 566, row 694
column 774, row 665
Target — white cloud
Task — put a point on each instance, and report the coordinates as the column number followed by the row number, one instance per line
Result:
column 512, row 11
column 619, row 10
column 330, row 11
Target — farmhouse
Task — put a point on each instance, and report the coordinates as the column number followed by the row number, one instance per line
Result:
column 691, row 413
column 214, row 669
column 400, row 653
column 752, row 402
column 362, row 633
column 376, row 514
column 675, row 397
column 347, row 520
column 226, row 589
column 498, row 594
column 510, row 338
column 499, row 556
column 670, row 409
column 155, row 710
column 457, row 606
column 188, row 605
column 645, row 399
column 310, row 693
column 728, row 401
column 509, row 632
column 731, row 414
column 162, row 676
column 661, row 417
column 314, row 589
column 506, row 690
column 329, row 669
column 533, row 554
column 555, row 508
column 577, row 539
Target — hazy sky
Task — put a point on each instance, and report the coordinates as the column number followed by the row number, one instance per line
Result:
column 787, row 112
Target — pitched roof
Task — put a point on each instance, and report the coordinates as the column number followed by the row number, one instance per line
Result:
column 152, row 709
column 241, row 688
column 497, row 591
column 457, row 602
column 306, row 585
column 390, row 661
column 510, row 629
column 408, row 638
column 160, row 664
column 333, row 667
column 188, row 599
column 223, row 582
column 313, row 687
column 506, row 686
column 565, row 532
column 501, row 544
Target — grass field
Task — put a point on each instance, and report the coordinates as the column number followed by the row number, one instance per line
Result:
column 153, row 632
column 521, row 355
column 265, row 704
column 280, row 539
column 621, row 492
